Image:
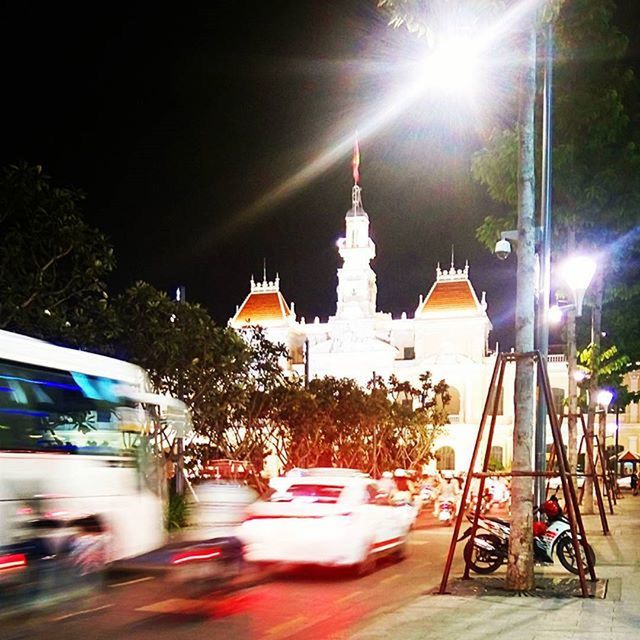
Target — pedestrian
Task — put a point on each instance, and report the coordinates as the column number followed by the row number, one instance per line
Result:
column 634, row 483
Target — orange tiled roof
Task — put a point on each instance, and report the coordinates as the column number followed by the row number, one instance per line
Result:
column 450, row 296
column 260, row 307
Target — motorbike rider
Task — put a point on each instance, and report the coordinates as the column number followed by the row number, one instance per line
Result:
column 387, row 484
column 404, row 486
column 449, row 491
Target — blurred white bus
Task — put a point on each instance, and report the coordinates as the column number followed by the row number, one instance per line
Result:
column 76, row 442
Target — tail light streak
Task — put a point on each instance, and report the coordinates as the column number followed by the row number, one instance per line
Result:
column 13, row 561
column 196, row 555
column 296, row 517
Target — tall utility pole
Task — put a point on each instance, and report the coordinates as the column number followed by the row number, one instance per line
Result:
column 596, row 332
column 520, row 560
column 572, row 356
column 306, row 363
column 179, row 444
column 544, row 288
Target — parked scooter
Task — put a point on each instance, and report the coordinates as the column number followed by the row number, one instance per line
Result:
column 490, row 547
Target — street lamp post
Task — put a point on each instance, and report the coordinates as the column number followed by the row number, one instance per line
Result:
column 605, row 396
column 617, row 444
column 544, row 254
column 577, row 272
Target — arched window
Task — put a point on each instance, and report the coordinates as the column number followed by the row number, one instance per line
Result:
column 445, row 458
column 496, row 459
column 453, row 408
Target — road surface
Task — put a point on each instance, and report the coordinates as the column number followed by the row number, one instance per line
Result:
column 288, row 603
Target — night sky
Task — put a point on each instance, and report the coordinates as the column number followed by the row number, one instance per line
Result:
column 178, row 121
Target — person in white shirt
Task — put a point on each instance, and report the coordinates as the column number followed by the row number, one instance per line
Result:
column 449, row 491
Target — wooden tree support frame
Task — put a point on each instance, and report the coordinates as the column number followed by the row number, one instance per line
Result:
column 595, row 476
column 571, row 500
column 607, row 481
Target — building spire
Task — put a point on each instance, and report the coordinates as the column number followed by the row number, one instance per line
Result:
column 453, row 265
column 356, row 192
column 264, row 269
column 356, row 199
column 355, row 161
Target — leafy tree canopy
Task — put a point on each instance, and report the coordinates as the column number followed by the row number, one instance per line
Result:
column 335, row 422
column 53, row 265
column 596, row 160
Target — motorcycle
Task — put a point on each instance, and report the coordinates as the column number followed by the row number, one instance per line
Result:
column 447, row 512
column 489, row 549
column 428, row 495
column 485, row 505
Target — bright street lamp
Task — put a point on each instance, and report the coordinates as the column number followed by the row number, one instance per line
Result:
column 604, row 398
column 451, row 66
column 578, row 271
column 580, row 374
column 555, row 314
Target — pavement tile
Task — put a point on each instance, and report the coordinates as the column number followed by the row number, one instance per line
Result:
column 552, row 635
column 616, row 616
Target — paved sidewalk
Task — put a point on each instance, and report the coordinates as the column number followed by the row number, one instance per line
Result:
column 510, row 617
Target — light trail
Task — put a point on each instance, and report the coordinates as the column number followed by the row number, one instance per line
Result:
column 371, row 125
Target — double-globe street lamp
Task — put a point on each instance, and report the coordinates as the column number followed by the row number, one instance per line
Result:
column 605, row 398
column 577, row 272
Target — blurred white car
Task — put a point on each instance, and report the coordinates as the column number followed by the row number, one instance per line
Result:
column 220, row 507
column 281, row 483
column 339, row 520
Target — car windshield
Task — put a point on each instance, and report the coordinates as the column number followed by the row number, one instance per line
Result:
column 309, row 493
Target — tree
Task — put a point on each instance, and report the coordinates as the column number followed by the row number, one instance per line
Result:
column 53, row 265
column 520, row 562
column 416, row 418
column 335, row 422
column 606, row 367
column 225, row 379
column 596, row 160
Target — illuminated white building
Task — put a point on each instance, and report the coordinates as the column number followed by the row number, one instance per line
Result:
column 447, row 334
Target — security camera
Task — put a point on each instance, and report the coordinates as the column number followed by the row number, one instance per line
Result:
column 503, row 249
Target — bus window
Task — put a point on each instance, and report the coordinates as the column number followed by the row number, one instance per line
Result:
column 51, row 410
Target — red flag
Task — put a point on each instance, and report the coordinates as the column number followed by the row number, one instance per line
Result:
column 355, row 163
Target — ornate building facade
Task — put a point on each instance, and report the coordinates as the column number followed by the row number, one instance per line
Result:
column 446, row 334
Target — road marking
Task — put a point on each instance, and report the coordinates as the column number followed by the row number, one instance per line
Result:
column 286, row 626
column 418, row 543
column 124, row 584
column 349, row 596
column 390, row 578
column 80, row 613
column 174, row 605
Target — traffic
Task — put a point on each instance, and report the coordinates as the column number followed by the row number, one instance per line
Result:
column 84, row 492
column 80, row 483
